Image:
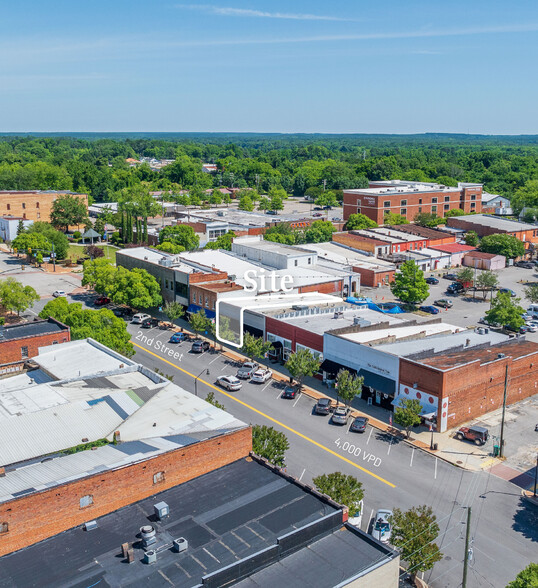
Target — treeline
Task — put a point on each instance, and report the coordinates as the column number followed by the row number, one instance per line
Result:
column 293, row 162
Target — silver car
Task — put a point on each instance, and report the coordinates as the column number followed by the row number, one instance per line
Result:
column 340, row 415
column 261, row 376
column 382, row 529
column 229, row 382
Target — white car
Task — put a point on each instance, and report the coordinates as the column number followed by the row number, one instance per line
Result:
column 532, row 328
column 229, row 382
column 140, row 317
column 59, row 293
column 382, row 529
column 261, row 376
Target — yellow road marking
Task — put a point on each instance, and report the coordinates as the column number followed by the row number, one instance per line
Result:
column 488, row 463
column 269, row 418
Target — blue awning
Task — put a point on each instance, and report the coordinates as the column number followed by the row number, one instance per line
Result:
column 194, row 308
column 377, row 382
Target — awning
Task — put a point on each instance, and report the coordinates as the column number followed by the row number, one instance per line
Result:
column 331, row 367
column 426, row 412
column 377, row 382
column 194, row 308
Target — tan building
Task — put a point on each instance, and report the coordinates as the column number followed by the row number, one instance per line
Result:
column 35, row 205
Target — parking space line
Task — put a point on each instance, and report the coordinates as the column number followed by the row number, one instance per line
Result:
column 435, row 474
column 411, row 462
column 269, row 418
column 390, row 443
column 279, row 394
column 371, row 429
column 301, row 476
column 213, row 360
column 223, row 367
column 269, row 382
column 298, row 398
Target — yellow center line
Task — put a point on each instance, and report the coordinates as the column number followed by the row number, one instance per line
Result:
column 269, row 418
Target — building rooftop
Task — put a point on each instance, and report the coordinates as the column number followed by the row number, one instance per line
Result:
column 440, row 342
column 33, row 329
column 243, row 218
column 281, row 249
column 399, row 187
column 393, row 235
column 381, row 338
column 482, row 255
column 515, row 348
column 424, row 232
column 363, row 237
column 453, row 248
column 226, row 516
column 80, row 403
column 495, row 222
column 344, row 255
column 158, row 258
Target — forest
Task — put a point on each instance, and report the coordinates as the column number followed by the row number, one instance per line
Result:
column 95, row 164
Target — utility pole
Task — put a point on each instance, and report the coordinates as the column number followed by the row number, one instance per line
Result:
column 501, row 442
column 466, row 556
column 324, row 184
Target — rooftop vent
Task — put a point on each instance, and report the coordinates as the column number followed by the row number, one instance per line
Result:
column 162, row 510
column 180, row 545
column 299, row 307
column 501, row 355
column 91, row 525
column 148, row 534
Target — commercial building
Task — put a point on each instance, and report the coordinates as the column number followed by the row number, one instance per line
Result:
column 9, row 225
column 466, row 383
column 484, row 224
column 495, row 204
column 456, row 251
column 34, row 205
column 22, row 341
column 432, row 236
column 410, row 198
column 484, row 261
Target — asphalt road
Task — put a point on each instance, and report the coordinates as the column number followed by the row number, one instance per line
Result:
column 503, row 528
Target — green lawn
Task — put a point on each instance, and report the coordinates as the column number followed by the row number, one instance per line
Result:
column 78, row 250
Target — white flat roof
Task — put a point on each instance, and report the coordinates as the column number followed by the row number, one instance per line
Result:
column 397, row 235
column 400, row 332
column 341, row 254
column 495, row 222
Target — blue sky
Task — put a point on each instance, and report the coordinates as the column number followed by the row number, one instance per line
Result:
column 386, row 66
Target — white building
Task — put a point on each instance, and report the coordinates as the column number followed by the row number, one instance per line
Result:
column 9, row 226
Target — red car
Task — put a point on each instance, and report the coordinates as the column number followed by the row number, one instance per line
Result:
column 102, row 300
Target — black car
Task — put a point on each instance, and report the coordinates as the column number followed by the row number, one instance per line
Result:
column 454, row 288
column 323, row 406
column 525, row 264
column 200, row 346
column 290, row 392
column 359, row 424
column 432, row 280
column 452, row 277
column 149, row 323
column 121, row 312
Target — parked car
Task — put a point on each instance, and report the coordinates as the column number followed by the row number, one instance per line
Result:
column 290, row 392
column 359, row 424
column 139, row 318
column 532, row 328
column 382, row 529
column 199, row 346
column 452, row 277
column 525, row 264
column 150, row 322
column 478, row 435
column 317, row 214
column 341, row 415
column 262, row 375
column 432, row 280
column 485, row 321
column 507, row 291
column 122, row 311
column 177, row 337
column 524, row 329
column 444, row 303
column 59, row 293
column 429, row 309
column 102, row 300
column 454, row 288
column 246, row 370
column 510, row 328
column 323, row 406
column 229, row 382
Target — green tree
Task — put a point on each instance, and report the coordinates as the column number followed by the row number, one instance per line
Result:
column 343, row 489
column 466, row 275
column 526, row 195
column 264, row 203
column 427, row 219
column 313, row 192
column 319, row 231
column 215, row 196
column 414, row 533
column 409, row 284
column 245, row 203
column 30, row 243
column 138, row 204
column 407, row 414
column 348, row 386
column 471, row 238
column 302, row 364
column 454, row 212
column 183, row 235
column 100, row 325
column 531, row 293
column 212, row 400
column 527, row 578
column 326, row 199
column 269, row 443
column 20, row 227
column 15, row 296
column 505, row 311
column 356, row 222
column 502, row 244
column 530, row 215
column 199, row 322
column 55, row 237
column 487, row 281
column 136, row 288
column 254, row 347
column 392, row 218
column 173, row 311
column 98, row 274
column 68, row 210
column 276, row 203
column 169, row 247
column 222, row 242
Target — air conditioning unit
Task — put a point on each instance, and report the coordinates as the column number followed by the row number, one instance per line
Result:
column 180, row 544
column 150, row 557
column 162, row 510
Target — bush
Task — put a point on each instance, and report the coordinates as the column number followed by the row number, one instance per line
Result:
column 77, row 235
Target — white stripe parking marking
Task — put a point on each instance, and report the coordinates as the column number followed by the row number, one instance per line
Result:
column 301, row 476
column 371, row 429
column 435, row 474
column 390, row 443
column 218, row 357
column 412, row 453
column 298, row 398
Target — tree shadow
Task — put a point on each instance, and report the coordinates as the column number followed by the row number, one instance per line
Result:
column 387, row 437
column 526, row 520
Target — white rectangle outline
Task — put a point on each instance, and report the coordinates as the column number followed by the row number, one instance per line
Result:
column 306, row 295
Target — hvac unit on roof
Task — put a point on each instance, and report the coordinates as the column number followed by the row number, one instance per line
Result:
column 161, row 510
column 180, row 544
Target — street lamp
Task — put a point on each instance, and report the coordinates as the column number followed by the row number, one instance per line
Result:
column 207, row 372
column 431, row 440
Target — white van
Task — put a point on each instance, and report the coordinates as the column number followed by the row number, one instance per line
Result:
column 533, row 310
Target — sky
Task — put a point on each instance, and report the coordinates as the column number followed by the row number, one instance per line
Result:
column 346, row 66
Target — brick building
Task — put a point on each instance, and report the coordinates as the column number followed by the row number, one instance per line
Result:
column 22, row 341
column 411, row 198
column 433, row 237
column 468, row 383
column 484, row 224
column 34, row 205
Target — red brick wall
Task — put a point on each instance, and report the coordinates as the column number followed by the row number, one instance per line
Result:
column 356, row 242
column 294, row 334
column 200, row 278
column 44, row 514
column 326, row 288
column 10, row 351
column 372, row 278
column 473, row 389
column 481, row 230
column 31, row 205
